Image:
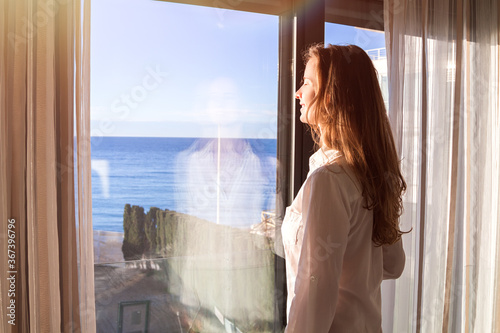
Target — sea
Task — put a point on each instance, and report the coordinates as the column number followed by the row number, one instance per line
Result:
column 224, row 181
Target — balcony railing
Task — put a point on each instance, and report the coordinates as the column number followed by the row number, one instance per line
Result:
column 377, row 54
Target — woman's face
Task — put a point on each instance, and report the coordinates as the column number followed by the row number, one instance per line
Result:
column 307, row 92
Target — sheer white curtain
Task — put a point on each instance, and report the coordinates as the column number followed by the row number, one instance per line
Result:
column 444, row 108
column 44, row 86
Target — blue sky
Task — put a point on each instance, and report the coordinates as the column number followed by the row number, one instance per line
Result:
column 343, row 34
column 166, row 69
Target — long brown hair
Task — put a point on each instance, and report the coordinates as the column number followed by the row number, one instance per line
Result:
column 352, row 119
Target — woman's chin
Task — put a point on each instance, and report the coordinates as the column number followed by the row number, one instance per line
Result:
column 303, row 118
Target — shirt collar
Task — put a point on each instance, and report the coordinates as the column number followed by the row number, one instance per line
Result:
column 322, row 157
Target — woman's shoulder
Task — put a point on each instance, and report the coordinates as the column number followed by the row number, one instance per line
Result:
column 336, row 174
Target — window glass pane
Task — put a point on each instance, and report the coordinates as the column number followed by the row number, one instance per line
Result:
column 372, row 41
column 184, row 127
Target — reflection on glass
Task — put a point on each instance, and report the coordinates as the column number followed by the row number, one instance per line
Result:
column 225, row 181
column 183, row 167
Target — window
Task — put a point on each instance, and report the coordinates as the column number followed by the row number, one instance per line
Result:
column 184, row 137
column 191, row 172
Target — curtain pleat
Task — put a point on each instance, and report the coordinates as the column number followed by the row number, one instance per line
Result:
column 13, row 167
column 39, row 42
column 456, row 123
column 43, row 240
column 83, row 158
column 444, row 108
column 70, row 310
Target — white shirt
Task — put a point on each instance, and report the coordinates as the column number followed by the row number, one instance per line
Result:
column 334, row 270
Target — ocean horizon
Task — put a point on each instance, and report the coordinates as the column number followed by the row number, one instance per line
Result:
column 225, row 181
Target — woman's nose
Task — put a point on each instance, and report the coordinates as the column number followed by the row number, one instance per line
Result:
column 297, row 94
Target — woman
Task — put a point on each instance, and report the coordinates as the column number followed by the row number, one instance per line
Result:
column 341, row 234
